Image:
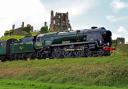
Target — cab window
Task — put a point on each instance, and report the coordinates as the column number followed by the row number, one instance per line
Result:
column 48, row 41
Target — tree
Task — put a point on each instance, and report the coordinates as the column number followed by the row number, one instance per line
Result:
column 6, row 33
column 28, row 29
column 44, row 29
column 11, row 32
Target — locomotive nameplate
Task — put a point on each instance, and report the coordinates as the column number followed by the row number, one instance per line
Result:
column 21, row 47
column 65, row 42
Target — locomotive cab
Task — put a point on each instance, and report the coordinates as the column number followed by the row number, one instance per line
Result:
column 42, row 41
column 39, row 41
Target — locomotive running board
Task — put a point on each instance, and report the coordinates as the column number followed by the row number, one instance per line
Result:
column 78, row 43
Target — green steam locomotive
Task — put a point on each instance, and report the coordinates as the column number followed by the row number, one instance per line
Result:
column 79, row 43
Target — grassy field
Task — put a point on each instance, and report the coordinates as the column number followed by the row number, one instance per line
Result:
column 16, row 84
column 68, row 73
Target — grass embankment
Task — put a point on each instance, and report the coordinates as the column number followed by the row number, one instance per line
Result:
column 100, row 71
column 17, row 36
column 107, row 71
column 12, row 36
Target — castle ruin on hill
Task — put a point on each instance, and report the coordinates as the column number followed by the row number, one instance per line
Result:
column 60, row 22
column 120, row 40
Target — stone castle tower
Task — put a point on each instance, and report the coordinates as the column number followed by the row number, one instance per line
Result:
column 60, row 22
column 120, row 40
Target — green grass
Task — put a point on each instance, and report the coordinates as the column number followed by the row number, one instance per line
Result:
column 101, row 71
column 13, row 36
column 17, row 36
column 109, row 71
column 16, row 84
column 34, row 33
column 123, row 48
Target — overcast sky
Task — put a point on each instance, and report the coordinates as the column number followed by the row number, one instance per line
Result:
column 111, row 14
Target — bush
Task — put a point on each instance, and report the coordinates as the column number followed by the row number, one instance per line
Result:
column 10, row 32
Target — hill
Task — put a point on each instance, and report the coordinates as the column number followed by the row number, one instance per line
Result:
column 17, row 36
column 95, row 71
column 123, row 48
column 13, row 36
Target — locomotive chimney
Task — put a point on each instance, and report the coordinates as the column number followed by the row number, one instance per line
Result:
column 94, row 27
